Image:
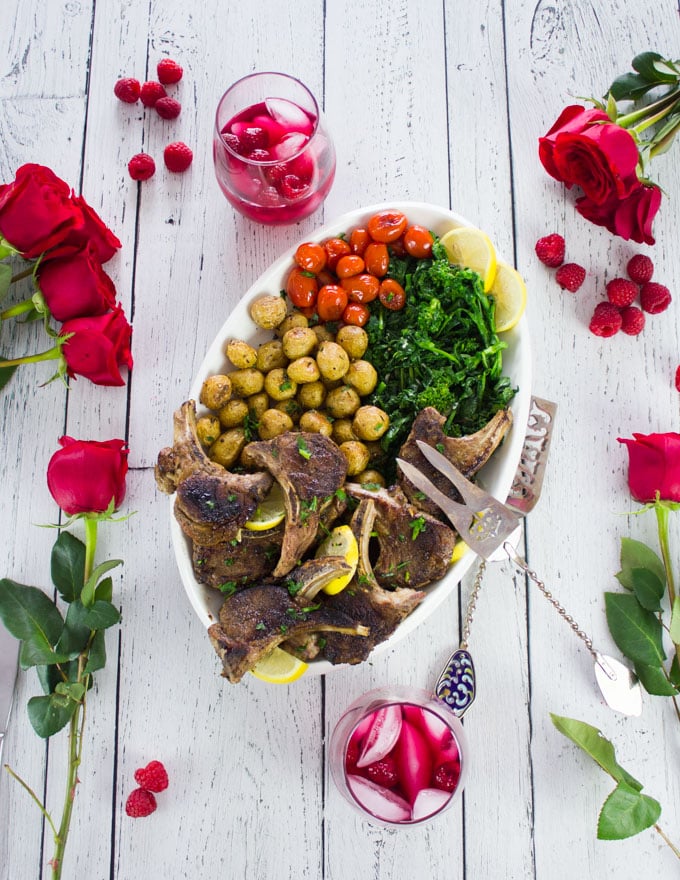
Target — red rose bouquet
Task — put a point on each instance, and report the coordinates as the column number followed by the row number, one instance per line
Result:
column 605, row 151
column 66, row 242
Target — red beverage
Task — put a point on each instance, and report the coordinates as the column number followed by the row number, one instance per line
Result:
column 273, row 158
column 398, row 755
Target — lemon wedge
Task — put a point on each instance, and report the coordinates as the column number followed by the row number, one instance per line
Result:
column 472, row 248
column 340, row 542
column 510, row 294
column 270, row 512
column 279, row 667
column 459, row 551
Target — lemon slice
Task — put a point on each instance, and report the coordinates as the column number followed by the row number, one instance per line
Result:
column 279, row 667
column 340, row 542
column 459, row 551
column 472, row 248
column 510, row 294
column 270, row 512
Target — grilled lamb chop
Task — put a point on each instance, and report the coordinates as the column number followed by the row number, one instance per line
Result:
column 211, row 503
column 468, row 453
column 310, row 469
column 243, row 560
column 414, row 547
column 256, row 620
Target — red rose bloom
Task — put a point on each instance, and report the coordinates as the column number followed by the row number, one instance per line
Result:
column 572, row 120
column 631, row 218
column 92, row 230
column 85, row 475
column 76, row 286
column 36, row 211
column 99, row 347
column 654, row 466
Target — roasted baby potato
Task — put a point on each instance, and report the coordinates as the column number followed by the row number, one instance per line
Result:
column 357, row 456
column 245, row 383
column 279, row 385
column 311, row 395
column 353, row 339
column 303, row 369
column 274, row 422
column 333, row 360
column 299, row 342
column 227, row 448
column 316, row 423
column 342, row 402
column 241, row 354
column 268, row 311
column 233, row 413
column 270, row 356
column 370, row 423
column 208, row 430
column 362, row 376
column 215, row 391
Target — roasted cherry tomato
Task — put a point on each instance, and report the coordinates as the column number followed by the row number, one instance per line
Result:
column 351, row 264
column 397, row 248
column 356, row 313
column 362, row 288
column 335, row 248
column 302, row 288
column 331, row 302
column 392, row 294
column 311, row 257
column 358, row 239
column 377, row 259
column 387, row 226
column 418, row 242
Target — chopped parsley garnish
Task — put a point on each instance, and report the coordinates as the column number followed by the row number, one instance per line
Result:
column 303, row 449
column 417, row 526
column 228, row 588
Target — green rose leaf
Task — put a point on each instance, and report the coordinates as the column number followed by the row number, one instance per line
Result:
column 97, row 656
column 652, row 67
column 99, row 615
column 68, row 566
column 5, row 278
column 675, row 621
column 32, row 617
column 593, row 743
column 104, row 590
column 674, row 673
column 74, row 690
column 636, row 631
column 635, row 554
column 75, row 634
column 6, row 373
column 49, row 714
column 654, row 681
column 49, row 676
column 626, row 812
column 648, row 588
column 87, row 595
column 630, row 87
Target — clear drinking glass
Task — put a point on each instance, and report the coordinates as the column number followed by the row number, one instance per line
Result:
column 274, row 159
column 398, row 755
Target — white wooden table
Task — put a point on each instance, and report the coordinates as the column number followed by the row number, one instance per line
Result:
column 430, row 101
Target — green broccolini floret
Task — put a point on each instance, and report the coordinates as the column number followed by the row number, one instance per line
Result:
column 440, row 350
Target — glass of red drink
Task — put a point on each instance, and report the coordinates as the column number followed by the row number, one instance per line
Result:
column 274, row 159
column 398, row 755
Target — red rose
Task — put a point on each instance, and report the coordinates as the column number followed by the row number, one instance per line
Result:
column 573, row 119
column 85, row 475
column 92, row 230
column 586, row 151
column 76, row 286
column 654, row 466
column 36, row 211
column 631, row 218
column 99, row 347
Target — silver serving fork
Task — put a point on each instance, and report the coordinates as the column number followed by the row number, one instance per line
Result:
column 491, row 529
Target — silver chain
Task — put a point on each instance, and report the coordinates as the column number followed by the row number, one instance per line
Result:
column 520, row 563
column 472, row 604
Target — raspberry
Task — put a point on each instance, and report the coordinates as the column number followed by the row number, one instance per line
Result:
column 621, row 292
column 177, row 156
column 253, row 138
column 677, row 379
column 259, row 155
column 570, row 276
column 654, row 298
column 168, row 108
column 141, row 166
column 292, row 187
column 383, row 772
column 153, row 777
column 127, row 90
column 446, row 776
column 352, row 755
column 140, row 803
column 169, row 71
column 606, row 320
column 640, row 268
column 550, row 250
column 151, row 92
column 632, row 320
